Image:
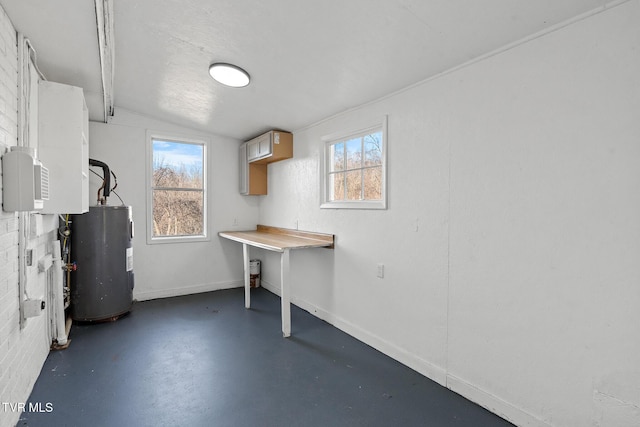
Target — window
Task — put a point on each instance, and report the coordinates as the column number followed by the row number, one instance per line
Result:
column 354, row 172
column 177, row 198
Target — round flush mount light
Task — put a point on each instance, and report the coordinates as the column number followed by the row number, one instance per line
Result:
column 229, row 74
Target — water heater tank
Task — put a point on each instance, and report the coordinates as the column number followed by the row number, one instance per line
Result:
column 102, row 247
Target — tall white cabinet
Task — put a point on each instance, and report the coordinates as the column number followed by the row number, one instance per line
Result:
column 63, row 146
column 253, row 176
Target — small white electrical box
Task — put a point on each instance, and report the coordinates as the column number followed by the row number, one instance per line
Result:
column 36, row 226
column 45, row 263
column 32, row 307
column 25, row 182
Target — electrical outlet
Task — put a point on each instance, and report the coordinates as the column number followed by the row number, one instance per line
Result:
column 235, row 222
column 381, row 271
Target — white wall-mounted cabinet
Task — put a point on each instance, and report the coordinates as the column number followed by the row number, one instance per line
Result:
column 63, row 146
column 259, row 147
column 270, row 147
column 256, row 154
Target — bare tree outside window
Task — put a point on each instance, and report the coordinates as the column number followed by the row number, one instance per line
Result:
column 355, row 171
column 178, row 189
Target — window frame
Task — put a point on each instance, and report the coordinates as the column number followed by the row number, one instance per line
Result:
column 172, row 137
column 325, row 169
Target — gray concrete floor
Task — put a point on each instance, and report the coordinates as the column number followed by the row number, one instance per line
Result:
column 204, row 360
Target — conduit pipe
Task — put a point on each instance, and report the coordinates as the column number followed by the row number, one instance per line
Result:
column 106, row 42
column 58, row 295
column 22, row 216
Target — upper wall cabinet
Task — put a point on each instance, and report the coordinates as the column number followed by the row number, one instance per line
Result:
column 63, row 146
column 270, row 147
column 256, row 153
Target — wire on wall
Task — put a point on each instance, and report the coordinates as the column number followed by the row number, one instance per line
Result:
column 28, row 77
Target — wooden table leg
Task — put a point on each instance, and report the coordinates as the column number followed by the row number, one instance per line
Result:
column 285, row 293
column 247, row 282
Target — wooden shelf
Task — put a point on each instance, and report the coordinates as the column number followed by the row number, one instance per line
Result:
column 278, row 239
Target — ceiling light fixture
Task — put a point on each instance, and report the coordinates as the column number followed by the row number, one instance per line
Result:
column 229, row 74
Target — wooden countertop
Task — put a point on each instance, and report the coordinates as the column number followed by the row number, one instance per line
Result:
column 279, row 239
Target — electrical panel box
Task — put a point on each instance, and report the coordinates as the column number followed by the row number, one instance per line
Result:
column 25, row 182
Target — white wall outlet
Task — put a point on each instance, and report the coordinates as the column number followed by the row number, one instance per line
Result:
column 235, row 222
column 381, row 271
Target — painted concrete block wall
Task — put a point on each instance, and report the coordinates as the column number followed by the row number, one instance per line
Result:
column 512, row 235
column 22, row 351
column 163, row 270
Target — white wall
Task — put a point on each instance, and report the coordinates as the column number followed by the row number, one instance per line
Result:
column 22, row 350
column 163, row 270
column 510, row 243
column 512, row 238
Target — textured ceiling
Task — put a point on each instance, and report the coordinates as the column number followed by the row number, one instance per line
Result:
column 308, row 59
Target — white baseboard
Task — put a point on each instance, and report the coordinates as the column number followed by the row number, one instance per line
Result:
column 436, row 373
column 414, row 362
column 493, row 403
column 175, row 292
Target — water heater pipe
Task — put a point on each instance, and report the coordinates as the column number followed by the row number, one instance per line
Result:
column 106, row 176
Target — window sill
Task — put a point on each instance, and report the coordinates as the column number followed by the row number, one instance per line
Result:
column 359, row 204
column 177, row 239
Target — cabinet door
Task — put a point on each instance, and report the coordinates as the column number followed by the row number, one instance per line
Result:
column 264, row 145
column 260, row 147
column 252, row 149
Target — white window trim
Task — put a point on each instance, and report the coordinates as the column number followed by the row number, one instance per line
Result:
column 151, row 135
column 327, row 141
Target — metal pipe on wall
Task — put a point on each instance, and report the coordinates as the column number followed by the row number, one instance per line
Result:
column 58, row 295
column 22, row 226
